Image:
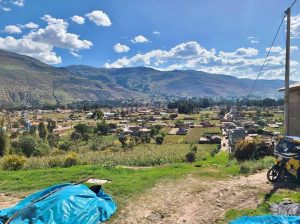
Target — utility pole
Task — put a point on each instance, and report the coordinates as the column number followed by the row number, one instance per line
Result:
column 287, row 73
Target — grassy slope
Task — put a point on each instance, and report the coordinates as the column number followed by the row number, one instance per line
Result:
column 126, row 183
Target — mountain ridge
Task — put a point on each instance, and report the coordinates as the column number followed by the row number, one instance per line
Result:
column 25, row 81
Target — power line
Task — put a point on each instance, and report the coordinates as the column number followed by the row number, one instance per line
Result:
column 269, row 51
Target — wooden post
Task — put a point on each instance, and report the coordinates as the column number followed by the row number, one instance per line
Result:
column 287, row 74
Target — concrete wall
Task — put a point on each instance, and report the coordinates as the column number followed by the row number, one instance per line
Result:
column 294, row 114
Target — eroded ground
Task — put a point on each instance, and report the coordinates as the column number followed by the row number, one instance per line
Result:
column 193, row 200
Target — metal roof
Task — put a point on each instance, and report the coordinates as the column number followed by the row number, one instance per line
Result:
column 292, row 138
column 292, row 87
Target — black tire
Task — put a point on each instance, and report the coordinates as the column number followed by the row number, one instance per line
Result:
column 274, row 174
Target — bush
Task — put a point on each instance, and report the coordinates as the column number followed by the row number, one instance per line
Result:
column 53, row 140
column 214, row 151
column 190, row 157
column 55, row 162
column 13, row 162
column 193, row 148
column 159, row 139
column 43, row 149
column 71, row 160
column 64, row 146
column 245, row 150
column 75, row 136
column 244, row 169
column 57, row 152
column 28, row 146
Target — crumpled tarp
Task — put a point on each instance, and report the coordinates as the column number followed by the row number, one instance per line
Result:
column 267, row 219
column 285, row 208
column 74, row 204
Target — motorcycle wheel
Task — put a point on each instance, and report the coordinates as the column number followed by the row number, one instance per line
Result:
column 274, row 174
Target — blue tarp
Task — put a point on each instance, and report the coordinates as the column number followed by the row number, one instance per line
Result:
column 74, row 204
column 267, row 219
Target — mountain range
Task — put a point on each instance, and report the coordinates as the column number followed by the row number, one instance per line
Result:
column 27, row 81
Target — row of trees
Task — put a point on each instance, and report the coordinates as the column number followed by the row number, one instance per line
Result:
column 187, row 106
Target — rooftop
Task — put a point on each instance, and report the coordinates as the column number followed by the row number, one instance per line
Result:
column 292, row 87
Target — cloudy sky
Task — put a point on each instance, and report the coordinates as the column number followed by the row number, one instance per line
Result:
column 226, row 37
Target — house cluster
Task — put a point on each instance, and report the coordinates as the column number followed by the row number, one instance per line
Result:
column 250, row 122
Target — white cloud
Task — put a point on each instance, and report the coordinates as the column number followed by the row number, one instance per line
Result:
column 253, row 40
column 31, row 48
column 19, row 3
column 78, row 19
column 140, row 39
column 75, row 54
column 120, row 48
column 31, row 25
column 40, row 43
column 240, row 52
column 295, row 26
column 55, row 34
column 5, row 9
column 242, row 62
column 12, row 29
column 275, row 49
column 156, row 32
column 99, row 18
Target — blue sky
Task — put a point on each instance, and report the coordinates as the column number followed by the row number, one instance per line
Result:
column 217, row 36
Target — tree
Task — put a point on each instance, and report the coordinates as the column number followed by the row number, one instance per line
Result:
column 3, row 139
column 53, row 140
column 103, row 128
column 32, row 130
column 123, row 139
column 28, row 145
column 42, row 131
column 3, row 143
column 82, row 128
column 51, row 125
column 75, row 136
column 86, row 137
column 98, row 115
column 159, row 139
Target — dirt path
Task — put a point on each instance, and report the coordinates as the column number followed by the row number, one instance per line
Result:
column 193, row 200
column 7, row 201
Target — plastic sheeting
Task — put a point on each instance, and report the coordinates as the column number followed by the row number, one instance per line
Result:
column 74, row 204
column 285, row 208
column 267, row 219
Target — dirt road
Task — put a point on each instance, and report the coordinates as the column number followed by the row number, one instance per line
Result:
column 193, row 200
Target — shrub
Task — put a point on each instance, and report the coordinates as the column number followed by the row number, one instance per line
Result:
column 13, row 162
column 193, row 148
column 3, row 143
column 75, row 136
column 159, row 139
column 214, row 151
column 190, row 157
column 103, row 128
column 64, row 146
column 71, row 160
column 43, row 149
column 55, row 162
column 28, row 145
column 57, row 152
column 245, row 150
column 42, row 131
column 82, row 128
column 53, row 140
column 244, row 169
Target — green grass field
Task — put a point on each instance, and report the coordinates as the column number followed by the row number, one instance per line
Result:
column 194, row 134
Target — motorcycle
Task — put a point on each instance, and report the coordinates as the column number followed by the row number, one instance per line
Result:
column 287, row 159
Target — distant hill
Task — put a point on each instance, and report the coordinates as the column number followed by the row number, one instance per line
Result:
column 25, row 80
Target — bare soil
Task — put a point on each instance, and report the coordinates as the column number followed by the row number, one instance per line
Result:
column 194, row 200
column 7, row 201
